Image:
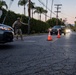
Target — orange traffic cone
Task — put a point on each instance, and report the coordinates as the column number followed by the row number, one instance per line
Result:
column 49, row 37
column 58, row 36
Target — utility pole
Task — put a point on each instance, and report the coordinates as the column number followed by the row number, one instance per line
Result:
column 29, row 17
column 58, row 7
column 75, row 24
column 51, row 9
column 46, row 10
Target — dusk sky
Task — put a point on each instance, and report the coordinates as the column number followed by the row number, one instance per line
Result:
column 68, row 9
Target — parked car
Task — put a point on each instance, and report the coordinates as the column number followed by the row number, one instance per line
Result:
column 6, row 33
column 62, row 30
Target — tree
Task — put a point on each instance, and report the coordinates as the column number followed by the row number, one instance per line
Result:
column 45, row 11
column 23, row 3
column 32, row 7
column 39, row 10
column 52, row 22
column 3, row 3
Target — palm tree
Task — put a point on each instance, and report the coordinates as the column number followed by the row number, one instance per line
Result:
column 23, row 3
column 39, row 10
column 32, row 7
column 45, row 11
column 3, row 3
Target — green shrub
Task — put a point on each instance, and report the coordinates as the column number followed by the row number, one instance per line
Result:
column 36, row 26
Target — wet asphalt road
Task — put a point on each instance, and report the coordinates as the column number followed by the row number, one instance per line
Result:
column 37, row 56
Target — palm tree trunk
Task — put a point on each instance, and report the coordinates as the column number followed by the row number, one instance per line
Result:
column 45, row 17
column 24, row 10
column 40, row 16
column 0, row 13
column 32, row 13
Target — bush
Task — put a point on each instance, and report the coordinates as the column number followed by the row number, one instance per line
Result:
column 36, row 26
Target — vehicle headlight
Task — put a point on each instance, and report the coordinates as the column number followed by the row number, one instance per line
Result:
column 5, row 28
column 68, row 30
column 58, row 29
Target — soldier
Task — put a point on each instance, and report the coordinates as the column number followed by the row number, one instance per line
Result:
column 17, row 26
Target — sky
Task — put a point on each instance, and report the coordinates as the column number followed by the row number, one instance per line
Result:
column 68, row 9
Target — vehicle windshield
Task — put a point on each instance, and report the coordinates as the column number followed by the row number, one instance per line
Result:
column 57, row 27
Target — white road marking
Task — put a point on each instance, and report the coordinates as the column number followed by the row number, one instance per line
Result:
column 32, row 41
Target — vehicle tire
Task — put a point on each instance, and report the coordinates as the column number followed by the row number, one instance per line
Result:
column 60, row 33
column 51, row 33
column 56, row 33
column 64, row 33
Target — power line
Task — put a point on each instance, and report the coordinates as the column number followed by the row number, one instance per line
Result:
column 46, row 9
column 51, row 10
column 67, row 15
column 45, row 6
column 57, row 7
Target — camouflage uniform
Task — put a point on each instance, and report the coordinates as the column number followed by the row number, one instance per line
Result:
column 17, row 27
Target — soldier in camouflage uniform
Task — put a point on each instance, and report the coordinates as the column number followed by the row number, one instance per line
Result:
column 17, row 26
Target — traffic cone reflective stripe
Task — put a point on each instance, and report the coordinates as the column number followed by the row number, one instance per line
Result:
column 49, row 37
column 58, row 36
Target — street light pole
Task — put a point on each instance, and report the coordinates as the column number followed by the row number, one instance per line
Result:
column 46, row 10
column 29, row 17
column 51, row 9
